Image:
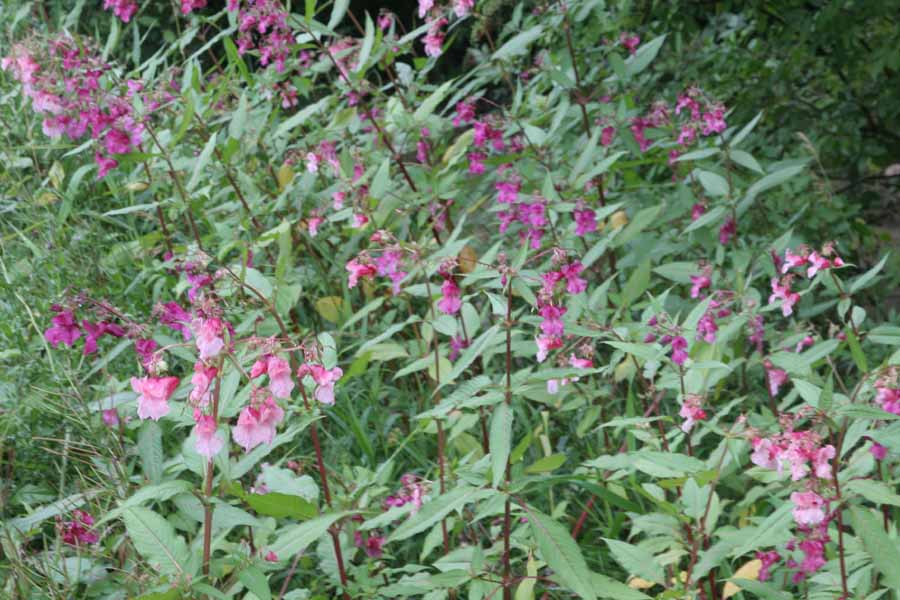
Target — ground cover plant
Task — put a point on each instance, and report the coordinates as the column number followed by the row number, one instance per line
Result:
column 476, row 300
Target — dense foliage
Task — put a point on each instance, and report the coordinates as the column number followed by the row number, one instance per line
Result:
column 482, row 300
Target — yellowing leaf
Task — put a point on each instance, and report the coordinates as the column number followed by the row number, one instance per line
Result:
column 467, row 259
column 749, row 570
column 636, row 583
column 619, row 219
column 330, row 307
column 285, row 176
column 624, row 370
column 137, row 186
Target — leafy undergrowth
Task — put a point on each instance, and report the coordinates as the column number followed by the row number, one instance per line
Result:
column 290, row 312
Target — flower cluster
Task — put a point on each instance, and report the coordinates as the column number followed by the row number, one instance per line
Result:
column 887, row 391
column 668, row 334
column 436, row 17
column 412, row 491
column 691, row 411
column 813, row 261
column 77, row 530
column 263, row 26
column 66, row 330
column 64, row 79
column 555, row 285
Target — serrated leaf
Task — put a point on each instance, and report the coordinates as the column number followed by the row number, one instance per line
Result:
column 874, row 491
column 297, row 538
column 518, row 44
column 150, row 450
column 546, row 464
column 882, row 549
column 644, row 56
column 155, row 540
column 201, row 162
column 636, row 560
column 561, row 553
column 436, row 509
column 255, row 581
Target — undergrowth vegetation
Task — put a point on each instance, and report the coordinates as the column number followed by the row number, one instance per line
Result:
column 487, row 300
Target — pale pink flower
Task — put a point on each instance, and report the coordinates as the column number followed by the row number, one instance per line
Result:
column 451, row 300
column 545, row 344
column 110, row 417
column 153, row 401
column 280, row 382
column 817, row 263
column 782, row 291
column 776, row 378
column 691, row 412
column 256, row 426
column 808, row 508
column 208, row 442
column 359, row 271
column 792, row 260
column 700, row 283
column 201, row 379
column 325, row 380
column 208, row 333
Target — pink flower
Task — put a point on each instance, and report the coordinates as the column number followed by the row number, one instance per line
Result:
column 700, row 283
column 256, row 426
column 312, row 162
column 153, row 401
column 280, row 382
column 124, row 9
column 476, row 163
column 451, row 300
column 607, row 136
column 359, row 220
column 630, row 42
column 111, row 417
column 463, row 7
column 792, row 260
column 585, row 221
column 765, row 454
column 270, row 557
column 776, row 378
column 545, row 344
column 574, row 283
column 727, row 231
column 434, row 39
column 767, row 559
column 888, row 398
column 808, row 508
column 821, row 460
column 201, row 379
column 552, row 324
column 325, row 380
column 77, row 531
column 312, row 225
column 145, row 348
column 359, row 271
column 782, row 291
column 65, row 330
column 714, row 121
column 209, row 337
column 817, row 262
column 697, row 211
column 424, row 7
column 175, row 317
column 878, row 451
column 691, row 412
column 207, row 441
column 679, row 355
column 385, row 20
column 465, row 113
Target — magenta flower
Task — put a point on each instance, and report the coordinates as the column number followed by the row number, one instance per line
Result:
column 65, row 330
column 574, row 283
column 552, row 324
column 280, row 381
column 434, row 39
column 727, row 231
column 104, row 164
column 124, row 9
column 208, row 442
column 312, row 225
column 465, row 113
column 607, row 136
column 700, row 283
column 679, row 354
column 630, row 42
column 77, row 531
column 808, row 508
column 171, row 314
column 585, row 221
column 463, row 7
column 691, row 412
column 817, row 263
column 545, row 344
column 878, row 451
column 476, row 163
column 767, row 559
column 697, row 211
column 792, row 260
column 110, row 417
column 451, row 300
column 153, row 401
column 145, row 348
column 776, row 378
column 256, row 426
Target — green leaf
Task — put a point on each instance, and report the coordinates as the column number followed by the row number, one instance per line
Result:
column 239, row 120
column 636, row 561
column 297, row 538
column 368, row 42
column 637, row 284
column 713, row 183
column 615, row 590
column 882, row 549
column 302, row 115
column 644, row 56
column 743, row 133
column 280, row 506
column 156, row 493
column 546, row 464
column 255, row 581
column 428, row 106
column 768, row 182
column 874, row 491
column 338, row 10
column 201, row 162
column 518, row 44
column 471, row 353
column 561, row 553
column 438, row 508
column 864, row 280
column 155, row 540
column 500, row 441
column 775, row 529
column 679, row 272
column 150, row 450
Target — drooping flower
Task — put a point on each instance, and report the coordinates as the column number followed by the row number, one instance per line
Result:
column 110, row 417
column 691, row 412
column 545, row 344
column 325, row 380
column 65, row 330
column 209, row 339
column 256, row 424
column 727, row 231
column 775, row 377
column 201, row 379
column 451, row 299
column 699, row 283
column 574, row 283
column 153, row 401
column 767, row 559
column 781, row 290
column 585, row 221
column 208, row 441
column 280, row 381
column 808, row 508
column 359, row 271
column 679, row 354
